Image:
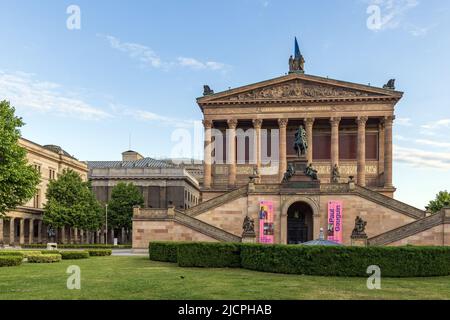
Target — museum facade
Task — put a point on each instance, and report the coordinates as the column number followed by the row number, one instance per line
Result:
column 252, row 169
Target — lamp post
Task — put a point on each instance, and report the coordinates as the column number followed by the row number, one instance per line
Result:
column 106, row 223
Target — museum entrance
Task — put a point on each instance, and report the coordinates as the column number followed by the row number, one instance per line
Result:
column 299, row 223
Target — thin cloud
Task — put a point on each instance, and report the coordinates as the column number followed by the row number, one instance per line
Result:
column 25, row 92
column 149, row 116
column 443, row 123
column 149, row 58
column 404, row 122
column 422, row 158
column 433, row 143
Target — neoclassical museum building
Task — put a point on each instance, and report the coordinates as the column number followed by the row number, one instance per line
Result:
column 252, row 170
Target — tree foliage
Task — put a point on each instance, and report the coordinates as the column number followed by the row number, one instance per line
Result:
column 120, row 208
column 70, row 202
column 18, row 179
column 442, row 200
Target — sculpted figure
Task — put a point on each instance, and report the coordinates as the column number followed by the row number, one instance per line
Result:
column 301, row 142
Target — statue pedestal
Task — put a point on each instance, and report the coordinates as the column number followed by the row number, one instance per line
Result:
column 359, row 241
column 300, row 180
column 249, row 237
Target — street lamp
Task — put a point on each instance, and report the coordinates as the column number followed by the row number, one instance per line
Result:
column 106, row 223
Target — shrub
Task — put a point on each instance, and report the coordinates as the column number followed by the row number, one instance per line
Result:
column 50, row 252
column 28, row 253
column 10, row 260
column 209, row 255
column 163, row 251
column 11, row 253
column 79, row 246
column 99, row 252
column 44, row 258
column 74, row 255
column 409, row 261
column 347, row 261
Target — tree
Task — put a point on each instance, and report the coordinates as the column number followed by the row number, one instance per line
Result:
column 18, row 179
column 120, row 208
column 442, row 200
column 70, row 202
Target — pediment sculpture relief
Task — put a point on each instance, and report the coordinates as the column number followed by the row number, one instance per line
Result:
column 298, row 90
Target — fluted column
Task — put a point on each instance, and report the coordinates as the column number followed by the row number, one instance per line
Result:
column 231, row 158
column 63, row 235
column 31, row 231
column 334, row 141
column 257, row 124
column 309, row 123
column 207, row 176
column 75, row 235
column 22, row 231
column 388, row 123
column 12, row 234
column 39, row 226
column 282, row 166
column 361, row 152
column 1, row 231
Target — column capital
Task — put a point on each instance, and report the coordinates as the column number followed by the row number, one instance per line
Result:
column 362, row 120
column 335, row 121
column 309, row 121
column 207, row 124
column 388, row 120
column 232, row 123
column 282, row 123
column 257, row 123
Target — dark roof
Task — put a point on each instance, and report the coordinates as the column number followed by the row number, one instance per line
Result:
column 142, row 163
column 58, row 150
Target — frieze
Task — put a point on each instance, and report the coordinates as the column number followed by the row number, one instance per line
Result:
column 347, row 170
column 297, row 89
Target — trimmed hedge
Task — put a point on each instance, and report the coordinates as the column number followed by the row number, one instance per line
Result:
column 11, row 253
column 44, row 258
column 10, row 261
column 217, row 255
column 309, row 260
column 23, row 253
column 79, row 246
column 347, row 261
column 74, row 255
column 50, row 252
column 164, row 251
column 99, row 252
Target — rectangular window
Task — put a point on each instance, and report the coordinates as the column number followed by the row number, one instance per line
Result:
column 37, row 199
column 52, row 174
column 321, row 146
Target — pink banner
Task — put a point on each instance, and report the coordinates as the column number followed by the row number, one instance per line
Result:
column 335, row 209
column 266, row 230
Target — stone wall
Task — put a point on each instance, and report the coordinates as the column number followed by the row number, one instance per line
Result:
column 379, row 218
column 439, row 235
column 145, row 231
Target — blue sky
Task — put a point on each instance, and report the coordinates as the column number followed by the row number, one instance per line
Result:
column 136, row 67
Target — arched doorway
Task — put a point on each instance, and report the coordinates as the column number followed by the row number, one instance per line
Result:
column 299, row 223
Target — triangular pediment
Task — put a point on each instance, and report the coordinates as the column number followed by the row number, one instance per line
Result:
column 298, row 87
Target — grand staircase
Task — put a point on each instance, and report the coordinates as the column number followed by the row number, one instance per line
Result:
column 407, row 230
column 205, row 228
column 216, row 202
column 391, row 203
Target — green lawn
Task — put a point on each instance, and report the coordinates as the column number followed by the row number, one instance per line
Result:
column 139, row 278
